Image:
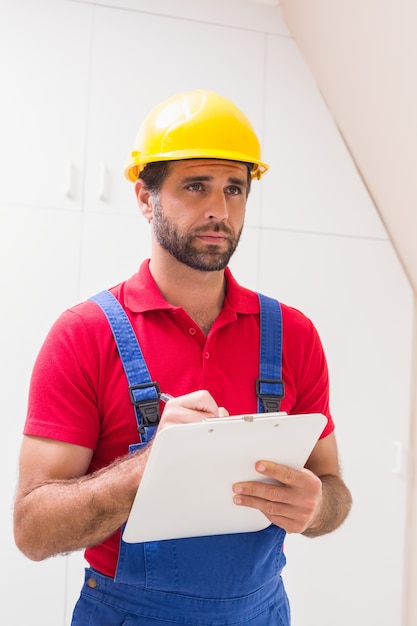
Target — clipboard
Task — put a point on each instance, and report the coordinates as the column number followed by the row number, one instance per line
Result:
column 186, row 488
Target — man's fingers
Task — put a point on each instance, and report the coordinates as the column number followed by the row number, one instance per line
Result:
column 281, row 473
column 189, row 408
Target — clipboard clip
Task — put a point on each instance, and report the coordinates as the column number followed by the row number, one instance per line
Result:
column 270, row 392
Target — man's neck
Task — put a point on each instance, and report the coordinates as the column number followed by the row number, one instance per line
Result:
column 200, row 294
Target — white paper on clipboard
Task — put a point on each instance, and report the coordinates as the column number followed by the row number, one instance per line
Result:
column 186, row 488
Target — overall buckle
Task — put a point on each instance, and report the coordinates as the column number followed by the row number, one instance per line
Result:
column 143, row 399
column 270, row 392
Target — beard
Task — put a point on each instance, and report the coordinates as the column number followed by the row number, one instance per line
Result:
column 182, row 245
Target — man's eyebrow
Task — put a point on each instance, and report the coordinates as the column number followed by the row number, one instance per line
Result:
column 195, row 179
column 238, row 181
column 233, row 180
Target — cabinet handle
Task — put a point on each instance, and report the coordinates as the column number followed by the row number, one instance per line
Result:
column 68, row 179
column 102, row 182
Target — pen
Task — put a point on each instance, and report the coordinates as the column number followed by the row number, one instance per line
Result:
column 165, row 397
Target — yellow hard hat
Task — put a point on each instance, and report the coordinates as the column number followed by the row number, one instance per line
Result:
column 195, row 125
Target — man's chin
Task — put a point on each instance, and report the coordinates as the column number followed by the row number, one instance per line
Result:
column 208, row 263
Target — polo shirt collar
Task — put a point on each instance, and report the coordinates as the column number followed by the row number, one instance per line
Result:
column 142, row 294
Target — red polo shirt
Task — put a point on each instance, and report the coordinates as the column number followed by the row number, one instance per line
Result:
column 78, row 391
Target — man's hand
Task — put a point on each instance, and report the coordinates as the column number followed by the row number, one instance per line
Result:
column 192, row 407
column 291, row 503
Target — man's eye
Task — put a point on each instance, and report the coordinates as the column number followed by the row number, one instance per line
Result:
column 195, row 187
column 234, row 191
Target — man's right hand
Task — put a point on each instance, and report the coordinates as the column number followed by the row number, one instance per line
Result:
column 192, row 407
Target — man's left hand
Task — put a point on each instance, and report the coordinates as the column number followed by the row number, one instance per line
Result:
column 291, row 503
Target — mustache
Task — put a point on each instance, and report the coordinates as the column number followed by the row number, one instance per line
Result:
column 218, row 227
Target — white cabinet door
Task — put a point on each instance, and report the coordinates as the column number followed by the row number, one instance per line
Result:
column 44, row 86
column 313, row 180
column 39, row 267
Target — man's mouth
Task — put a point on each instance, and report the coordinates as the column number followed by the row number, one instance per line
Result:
column 214, row 238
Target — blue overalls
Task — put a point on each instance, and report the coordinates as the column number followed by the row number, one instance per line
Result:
column 220, row 580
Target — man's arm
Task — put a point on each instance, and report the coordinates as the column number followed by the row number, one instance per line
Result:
column 313, row 501
column 59, row 509
column 336, row 499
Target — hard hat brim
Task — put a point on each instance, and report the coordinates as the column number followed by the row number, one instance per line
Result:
column 137, row 162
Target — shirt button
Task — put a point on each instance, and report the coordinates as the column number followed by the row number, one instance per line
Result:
column 207, row 355
column 192, row 331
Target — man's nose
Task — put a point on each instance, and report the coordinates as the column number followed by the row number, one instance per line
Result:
column 217, row 207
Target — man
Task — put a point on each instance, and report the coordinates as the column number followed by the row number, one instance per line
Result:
column 194, row 158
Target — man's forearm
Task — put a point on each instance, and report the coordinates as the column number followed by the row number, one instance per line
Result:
column 62, row 516
column 335, row 505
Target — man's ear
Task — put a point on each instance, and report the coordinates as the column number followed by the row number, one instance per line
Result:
column 144, row 199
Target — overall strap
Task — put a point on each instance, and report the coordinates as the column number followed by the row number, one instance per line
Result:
column 269, row 385
column 144, row 393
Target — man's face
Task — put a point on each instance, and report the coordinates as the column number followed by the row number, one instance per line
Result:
column 198, row 216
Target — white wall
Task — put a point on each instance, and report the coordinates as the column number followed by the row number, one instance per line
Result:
column 363, row 57
column 76, row 79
